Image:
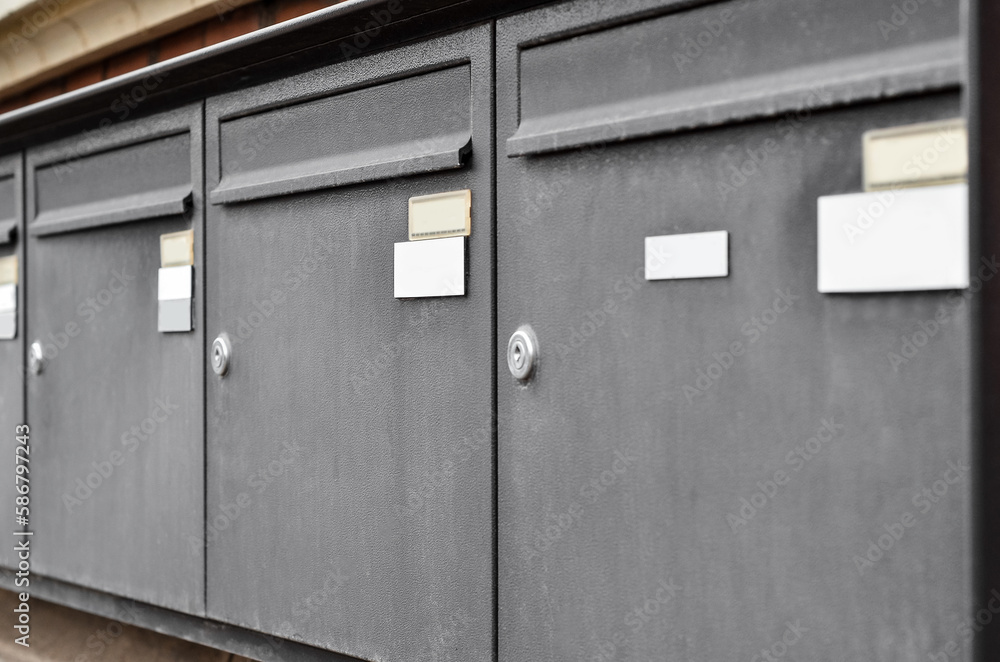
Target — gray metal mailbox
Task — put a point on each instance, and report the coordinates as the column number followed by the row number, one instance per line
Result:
column 731, row 465
column 116, row 406
column 11, row 322
column 349, row 447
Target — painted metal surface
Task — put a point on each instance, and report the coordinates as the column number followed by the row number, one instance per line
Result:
column 12, row 351
column 117, row 411
column 692, row 469
column 349, row 442
column 712, row 468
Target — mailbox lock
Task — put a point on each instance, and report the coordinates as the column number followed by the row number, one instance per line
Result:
column 36, row 358
column 222, row 349
column 522, row 353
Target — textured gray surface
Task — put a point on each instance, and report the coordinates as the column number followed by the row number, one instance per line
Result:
column 614, row 485
column 349, row 448
column 350, row 458
column 11, row 351
column 405, row 127
column 117, row 414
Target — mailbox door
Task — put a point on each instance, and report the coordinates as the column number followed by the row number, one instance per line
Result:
column 709, row 468
column 350, row 498
column 116, row 410
column 11, row 349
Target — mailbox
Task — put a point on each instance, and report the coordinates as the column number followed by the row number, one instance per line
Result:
column 350, row 500
column 116, row 406
column 11, row 321
column 711, row 456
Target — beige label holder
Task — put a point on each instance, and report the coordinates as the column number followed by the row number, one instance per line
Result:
column 926, row 154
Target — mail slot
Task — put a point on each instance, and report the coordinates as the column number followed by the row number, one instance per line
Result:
column 116, row 405
column 350, row 422
column 11, row 318
column 710, row 453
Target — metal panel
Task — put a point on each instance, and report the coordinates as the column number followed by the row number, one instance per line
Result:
column 982, row 97
column 705, row 469
column 350, row 458
column 117, row 411
column 11, row 351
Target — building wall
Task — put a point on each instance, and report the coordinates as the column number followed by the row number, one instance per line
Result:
column 61, row 634
column 226, row 20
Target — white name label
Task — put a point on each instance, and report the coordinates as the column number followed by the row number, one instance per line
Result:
column 894, row 241
column 429, row 268
column 697, row 255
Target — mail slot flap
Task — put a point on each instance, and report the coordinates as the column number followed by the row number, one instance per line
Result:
column 408, row 126
column 136, row 207
column 8, row 196
column 8, row 209
column 139, row 181
column 7, row 229
column 717, row 64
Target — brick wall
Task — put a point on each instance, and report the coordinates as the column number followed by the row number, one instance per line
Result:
column 227, row 25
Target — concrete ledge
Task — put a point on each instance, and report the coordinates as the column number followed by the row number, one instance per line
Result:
column 59, row 633
column 110, row 608
column 48, row 38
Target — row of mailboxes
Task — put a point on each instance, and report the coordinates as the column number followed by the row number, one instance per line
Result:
column 687, row 468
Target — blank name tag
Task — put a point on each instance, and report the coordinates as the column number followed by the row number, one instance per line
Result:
column 8, row 311
column 429, row 268
column 695, row 255
column 894, row 241
column 174, row 293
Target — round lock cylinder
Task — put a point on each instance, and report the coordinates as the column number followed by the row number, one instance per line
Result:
column 36, row 358
column 222, row 350
column 522, row 353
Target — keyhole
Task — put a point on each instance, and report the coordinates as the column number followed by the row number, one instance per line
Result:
column 518, row 356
